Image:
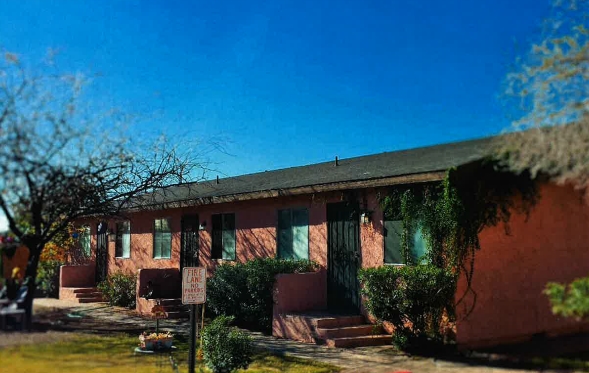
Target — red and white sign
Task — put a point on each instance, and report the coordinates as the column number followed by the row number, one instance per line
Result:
column 194, row 285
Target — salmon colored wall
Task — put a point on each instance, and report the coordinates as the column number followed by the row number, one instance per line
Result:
column 76, row 276
column 300, row 292
column 142, row 243
column 371, row 234
column 296, row 293
column 255, row 221
column 165, row 282
column 256, row 227
column 511, row 271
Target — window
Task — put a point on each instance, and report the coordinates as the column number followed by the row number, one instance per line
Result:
column 392, row 242
column 223, row 236
column 393, row 253
column 293, row 234
column 85, row 241
column 419, row 246
column 162, row 239
column 123, row 242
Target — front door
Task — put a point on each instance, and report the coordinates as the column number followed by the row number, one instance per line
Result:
column 189, row 242
column 101, row 251
column 343, row 257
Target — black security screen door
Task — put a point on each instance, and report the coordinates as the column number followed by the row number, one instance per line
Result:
column 343, row 257
column 189, row 242
column 101, row 251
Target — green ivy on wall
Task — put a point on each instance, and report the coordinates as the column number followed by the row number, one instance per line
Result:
column 417, row 298
column 451, row 214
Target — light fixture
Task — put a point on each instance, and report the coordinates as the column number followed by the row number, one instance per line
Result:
column 202, row 225
column 365, row 217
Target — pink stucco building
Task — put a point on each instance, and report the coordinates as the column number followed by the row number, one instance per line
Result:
column 330, row 213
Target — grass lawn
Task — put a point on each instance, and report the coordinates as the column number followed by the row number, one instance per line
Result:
column 94, row 354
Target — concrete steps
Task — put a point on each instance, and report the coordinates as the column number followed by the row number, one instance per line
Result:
column 349, row 331
column 82, row 295
column 359, row 341
column 337, row 321
column 336, row 330
column 174, row 308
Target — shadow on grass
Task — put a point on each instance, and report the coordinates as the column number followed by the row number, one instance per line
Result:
column 76, row 320
column 565, row 353
column 83, row 353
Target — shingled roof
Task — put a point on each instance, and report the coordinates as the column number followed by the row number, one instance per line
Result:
column 370, row 167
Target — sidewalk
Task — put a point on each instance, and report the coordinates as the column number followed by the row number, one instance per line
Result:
column 378, row 359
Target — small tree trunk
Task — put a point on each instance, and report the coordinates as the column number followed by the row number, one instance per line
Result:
column 35, row 249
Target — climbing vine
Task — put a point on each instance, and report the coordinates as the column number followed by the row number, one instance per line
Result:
column 451, row 214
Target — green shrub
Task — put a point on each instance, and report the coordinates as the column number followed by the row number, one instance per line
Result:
column 245, row 290
column 570, row 300
column 225, row 348
column 412, row 298
column 48, row 277
column 119, row 289
column 227, row 292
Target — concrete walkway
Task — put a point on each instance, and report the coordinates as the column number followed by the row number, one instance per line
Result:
column 378, row 359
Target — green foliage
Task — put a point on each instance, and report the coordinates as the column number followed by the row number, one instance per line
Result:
column 48, row 277
column 245, row 290
column 570, row 300
column 452, row 214
column 119, row 289
column 227, row 291
column 548, row 95
column 412, row 298
column 550, row 83
column 226, row 348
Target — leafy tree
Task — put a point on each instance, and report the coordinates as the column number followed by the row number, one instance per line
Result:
column 60, row 160
column 551, row 88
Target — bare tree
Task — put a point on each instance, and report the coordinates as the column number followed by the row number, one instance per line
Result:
column 551, row 88
column 60, row 161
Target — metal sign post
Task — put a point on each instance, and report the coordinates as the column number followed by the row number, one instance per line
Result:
column 193, row 330
column 194, row 290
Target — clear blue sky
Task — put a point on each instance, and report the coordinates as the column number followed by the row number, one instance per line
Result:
column 287, row 83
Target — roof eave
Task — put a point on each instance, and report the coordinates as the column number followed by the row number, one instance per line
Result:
column 424, row 177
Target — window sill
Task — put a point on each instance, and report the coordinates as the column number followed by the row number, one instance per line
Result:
column 122, row 257
column 395, row 264
column 162, row 258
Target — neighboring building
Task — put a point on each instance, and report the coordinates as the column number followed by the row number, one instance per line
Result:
column 330, row 213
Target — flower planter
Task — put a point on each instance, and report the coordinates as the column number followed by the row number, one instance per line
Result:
column 163, row 344
column 146, row 345
column 155, row 342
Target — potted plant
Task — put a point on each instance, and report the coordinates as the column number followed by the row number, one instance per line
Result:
column 156, row 341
